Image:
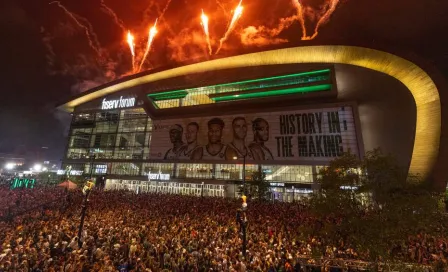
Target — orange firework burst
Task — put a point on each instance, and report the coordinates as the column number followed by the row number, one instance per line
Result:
column 151, row 35
column 130, row 41
column 236, row 15
column 301, row 17
column 331, row 8
column 204, row 22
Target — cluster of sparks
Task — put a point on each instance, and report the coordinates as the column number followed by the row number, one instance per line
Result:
column 329, row 8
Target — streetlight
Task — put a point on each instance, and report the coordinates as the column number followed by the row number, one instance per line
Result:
column 37, row 167
column 92, row 159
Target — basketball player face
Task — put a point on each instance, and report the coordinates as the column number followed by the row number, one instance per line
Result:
column 191, row 134
column 175, row 136
column 262, row 131
column 240, row 129
column 214, row 134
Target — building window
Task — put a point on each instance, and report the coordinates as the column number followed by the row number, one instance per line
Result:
column 126, row 169
column 288, row 173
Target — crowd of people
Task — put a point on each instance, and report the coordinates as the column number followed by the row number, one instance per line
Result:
column 19, row 201
column 124, row 231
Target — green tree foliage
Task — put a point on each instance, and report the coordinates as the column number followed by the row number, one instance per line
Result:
column 373, row 206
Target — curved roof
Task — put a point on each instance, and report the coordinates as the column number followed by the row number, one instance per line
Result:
column 419, row 83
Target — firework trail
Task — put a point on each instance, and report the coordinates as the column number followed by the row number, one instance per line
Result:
column 221, row 6
column 301, row 18
column 164, row 10
column 236, row 15
column 130, row 40
column 112, row 13
column 331, row 8
column 204, row 23
column 89, row 33
column 152, row 33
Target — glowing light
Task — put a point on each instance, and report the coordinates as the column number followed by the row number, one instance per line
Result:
column 10, row 166
column 152, row 33
column 130, row 40
column 204, row 23
column 37, row 167
column 236, row 15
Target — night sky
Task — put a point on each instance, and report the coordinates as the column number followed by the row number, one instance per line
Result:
column 33, row 79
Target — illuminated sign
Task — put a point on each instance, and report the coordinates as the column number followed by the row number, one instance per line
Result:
column 298, row 136
column 118, row 103
column 158, row 176
column 72, row 172
column 274, row 184
column 22, row 183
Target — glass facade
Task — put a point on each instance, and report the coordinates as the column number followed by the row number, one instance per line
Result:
column 120, row 139
column 208, row 94
column 225, row 172
column 116, row 134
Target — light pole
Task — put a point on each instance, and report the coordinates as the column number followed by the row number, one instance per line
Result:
column 244, row 172
column 293, row 194
column 242, row 220
column 92, row 159
column 86, row 191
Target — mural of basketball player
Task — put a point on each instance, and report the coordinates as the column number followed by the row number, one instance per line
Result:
column 176, row 139
column 214, row 150
column 259, row 151
column 237, row 148
column 191, row 150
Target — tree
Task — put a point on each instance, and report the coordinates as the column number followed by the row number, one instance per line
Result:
column 373, row 206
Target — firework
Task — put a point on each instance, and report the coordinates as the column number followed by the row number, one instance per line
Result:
column 89, row 33
column 110, row 11
column 301, row 18
column 332, row 7
column 152, row 33
column 204, row 23
column 130, row 41
column 236, row 15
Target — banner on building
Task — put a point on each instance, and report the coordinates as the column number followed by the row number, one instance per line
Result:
column 302, row 135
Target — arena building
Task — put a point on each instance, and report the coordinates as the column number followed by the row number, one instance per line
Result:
column 202, row 128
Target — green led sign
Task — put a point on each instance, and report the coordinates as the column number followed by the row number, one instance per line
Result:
column 168, row 95
column 263, row 83
column 274, row 78
column 308, row 89
column 17, row 183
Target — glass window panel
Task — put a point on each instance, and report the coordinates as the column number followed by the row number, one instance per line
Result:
column 102, row 152
column 288, row 173
column 163, row 168
column 195, row 171
column 126, row 169
column 77, row 153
